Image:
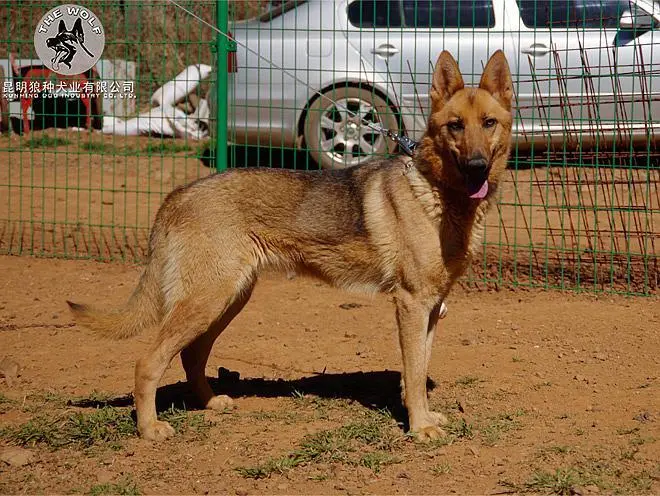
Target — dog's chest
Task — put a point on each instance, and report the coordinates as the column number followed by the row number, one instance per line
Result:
column 461, row 236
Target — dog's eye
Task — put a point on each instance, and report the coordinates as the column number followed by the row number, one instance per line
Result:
column 489, row 123
column 455, row 126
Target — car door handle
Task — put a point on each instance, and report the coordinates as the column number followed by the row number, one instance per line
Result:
column 536, row 49
column 385, row 50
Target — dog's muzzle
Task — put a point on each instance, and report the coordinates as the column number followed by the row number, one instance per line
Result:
column 475, row 171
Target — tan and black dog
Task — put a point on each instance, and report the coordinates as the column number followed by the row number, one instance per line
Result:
column 403, row 227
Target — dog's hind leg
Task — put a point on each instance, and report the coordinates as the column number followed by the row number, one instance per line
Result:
column 187, row 320
column 195, row 356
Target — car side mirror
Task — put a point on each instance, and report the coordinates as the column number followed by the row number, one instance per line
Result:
column 636, row 19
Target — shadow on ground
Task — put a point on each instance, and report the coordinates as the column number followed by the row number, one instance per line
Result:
column 376, row 390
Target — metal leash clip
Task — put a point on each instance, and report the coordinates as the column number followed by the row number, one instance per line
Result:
column 407, row 144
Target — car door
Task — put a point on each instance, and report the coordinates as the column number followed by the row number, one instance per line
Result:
column 400, row 40
column 584, row 80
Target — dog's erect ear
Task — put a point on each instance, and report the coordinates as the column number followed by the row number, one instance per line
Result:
column 447, row 80
column 61, row 28
column 77, row 28
column 496, row 79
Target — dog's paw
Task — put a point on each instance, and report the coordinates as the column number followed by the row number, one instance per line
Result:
column 157, row 431
column 428, row 433
column 220, row 403
column 438, row 418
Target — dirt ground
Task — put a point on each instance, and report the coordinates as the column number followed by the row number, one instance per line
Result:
column 546, row 392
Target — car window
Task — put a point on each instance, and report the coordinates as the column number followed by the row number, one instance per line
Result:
column 448, row 13
column 581, row 14
column 375, row 14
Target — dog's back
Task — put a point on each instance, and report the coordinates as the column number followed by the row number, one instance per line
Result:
column 338, row 225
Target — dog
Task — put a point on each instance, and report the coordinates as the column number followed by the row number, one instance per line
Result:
column 407, row 228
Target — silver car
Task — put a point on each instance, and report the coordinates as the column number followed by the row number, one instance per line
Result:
column 585, row 71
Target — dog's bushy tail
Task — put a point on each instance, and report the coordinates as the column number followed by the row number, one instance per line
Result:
column 142, row 310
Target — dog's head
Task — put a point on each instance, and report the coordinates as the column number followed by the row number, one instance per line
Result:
column 470, row 128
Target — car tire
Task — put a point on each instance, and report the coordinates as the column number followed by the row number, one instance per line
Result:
column 337, row 139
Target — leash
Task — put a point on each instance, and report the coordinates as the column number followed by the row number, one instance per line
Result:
column 407, row 144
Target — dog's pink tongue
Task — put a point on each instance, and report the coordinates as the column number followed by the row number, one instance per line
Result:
column 482, row 191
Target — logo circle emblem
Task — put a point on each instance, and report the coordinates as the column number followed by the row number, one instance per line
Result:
column 69, row 39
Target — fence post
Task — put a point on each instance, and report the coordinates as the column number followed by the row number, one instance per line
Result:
column 221, row 101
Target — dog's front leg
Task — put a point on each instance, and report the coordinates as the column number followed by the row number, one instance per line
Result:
column 413, row 317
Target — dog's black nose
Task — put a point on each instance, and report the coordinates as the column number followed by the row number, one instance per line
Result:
column 477, row 165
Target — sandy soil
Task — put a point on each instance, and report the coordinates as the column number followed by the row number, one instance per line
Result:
column 546, row 392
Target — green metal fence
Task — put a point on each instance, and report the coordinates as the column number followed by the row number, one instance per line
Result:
column 580, row 208
column 90, row 188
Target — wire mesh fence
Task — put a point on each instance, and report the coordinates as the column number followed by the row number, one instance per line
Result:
column 580, row 208
column 83, row 171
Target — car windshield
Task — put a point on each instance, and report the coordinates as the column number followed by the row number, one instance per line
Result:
column 276, row 8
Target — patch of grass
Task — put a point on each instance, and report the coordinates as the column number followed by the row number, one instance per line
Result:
column 264, row 470
column 561, row 481
column 625, row 432
column 639, row 440
column 100, row 147
column 298, row 395
column 434, row 444
column 492, row 431
column 516, row 359
column 166, row 147
column 50, row 397
column 547, row 451
column 467, row 381
column 457, row 428
column 460, row 429
column 186, row 422
column 374, row 431
column 82, row 430
column 103, row 426
column 639, row 482
column 124, row 487
column 608, row 474
column 628, row 454
column 375, row 460
column 321, row 406
column 6, row 404
column 441, row 468
column 45, row 141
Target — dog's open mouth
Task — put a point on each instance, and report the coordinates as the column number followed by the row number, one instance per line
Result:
column 477, row 184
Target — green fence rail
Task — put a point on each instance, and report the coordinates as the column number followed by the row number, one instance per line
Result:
column 580, row 208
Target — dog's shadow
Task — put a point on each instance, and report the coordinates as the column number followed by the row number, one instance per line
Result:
column 376, row 390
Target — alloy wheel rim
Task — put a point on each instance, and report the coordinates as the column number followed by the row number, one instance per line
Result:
column 344, row 137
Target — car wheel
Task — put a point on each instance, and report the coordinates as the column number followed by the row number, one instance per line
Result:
column 335, row 131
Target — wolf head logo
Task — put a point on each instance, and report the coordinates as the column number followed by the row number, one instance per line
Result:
column 65, row 44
